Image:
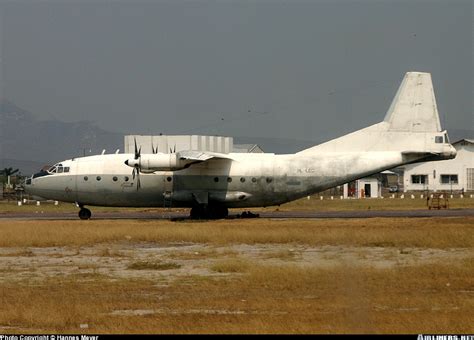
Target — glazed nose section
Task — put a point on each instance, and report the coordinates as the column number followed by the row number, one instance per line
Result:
column 29, row 185
column 32, row 185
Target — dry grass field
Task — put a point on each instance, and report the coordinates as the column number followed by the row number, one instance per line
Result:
column 314, row 203
column 378, row 275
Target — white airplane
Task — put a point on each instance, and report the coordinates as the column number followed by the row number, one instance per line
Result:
column 209, row 183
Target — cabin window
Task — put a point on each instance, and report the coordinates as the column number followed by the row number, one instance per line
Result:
column 439, row 139
column 269, row 179
column 126, row 178
column 254, row 180
column 98, row 178
column 449, row 179
column 169, row 179
column 229, row 179
column 242, row 179
column 216, row 179
column 114, row 179
column 86, row 178
column 419, row 179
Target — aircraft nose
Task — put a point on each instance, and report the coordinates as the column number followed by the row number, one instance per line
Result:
column 28, row 185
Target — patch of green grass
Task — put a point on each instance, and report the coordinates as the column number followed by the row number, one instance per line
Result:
column 149, row 265
column 231, row 266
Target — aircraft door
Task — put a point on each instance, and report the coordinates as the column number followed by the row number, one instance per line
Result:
column 168, row 183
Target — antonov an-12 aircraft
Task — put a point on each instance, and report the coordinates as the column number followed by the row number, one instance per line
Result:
column 209, row 183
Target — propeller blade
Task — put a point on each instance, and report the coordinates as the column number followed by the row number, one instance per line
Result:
column 136, row 172
column 138, row 151
column 138, row 181
column 136, row 148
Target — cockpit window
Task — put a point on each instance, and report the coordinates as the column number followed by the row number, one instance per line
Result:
column 439, row 139
column 446, row 139
column 58, row 169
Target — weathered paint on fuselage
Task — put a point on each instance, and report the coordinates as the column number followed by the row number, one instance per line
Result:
column 410, row 132
column 248, row 180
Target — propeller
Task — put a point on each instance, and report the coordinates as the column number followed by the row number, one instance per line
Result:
column 136, row 166
column 153, row 150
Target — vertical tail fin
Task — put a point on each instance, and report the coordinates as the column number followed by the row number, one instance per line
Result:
column 414, row 107
column 411, row 123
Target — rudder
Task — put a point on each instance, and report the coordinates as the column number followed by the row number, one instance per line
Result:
column 414, row 107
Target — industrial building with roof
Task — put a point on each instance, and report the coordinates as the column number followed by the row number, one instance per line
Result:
column 176, row 143
column 454, row 175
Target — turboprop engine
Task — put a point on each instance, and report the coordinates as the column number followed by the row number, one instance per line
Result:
column 149, row 163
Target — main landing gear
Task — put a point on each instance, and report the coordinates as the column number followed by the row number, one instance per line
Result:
column 209, row 212
column 84, row 213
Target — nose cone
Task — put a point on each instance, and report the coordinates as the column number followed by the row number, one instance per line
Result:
column 30, row 189
column 33, row 184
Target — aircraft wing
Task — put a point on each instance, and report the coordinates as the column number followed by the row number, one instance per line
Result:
column 201, row 156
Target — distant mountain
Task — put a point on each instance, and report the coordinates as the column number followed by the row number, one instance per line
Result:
column 26, row 142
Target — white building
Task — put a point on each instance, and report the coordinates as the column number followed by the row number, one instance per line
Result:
column 247, row 148
column 451, row 175
column 168, row 143
column 367, row 187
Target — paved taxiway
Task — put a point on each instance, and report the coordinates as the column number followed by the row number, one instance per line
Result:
column 147, row 215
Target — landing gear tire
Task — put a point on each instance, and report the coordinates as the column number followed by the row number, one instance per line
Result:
column 208, row 212
column 85, row 214
column 218, row 212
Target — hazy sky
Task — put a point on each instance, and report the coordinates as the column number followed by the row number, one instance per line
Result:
column 291, row 69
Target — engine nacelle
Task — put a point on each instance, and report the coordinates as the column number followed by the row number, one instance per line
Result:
column 158, row 162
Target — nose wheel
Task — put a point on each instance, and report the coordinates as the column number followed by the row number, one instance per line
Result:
column 85, row 214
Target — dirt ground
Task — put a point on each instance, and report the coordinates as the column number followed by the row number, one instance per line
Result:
column 258, row 276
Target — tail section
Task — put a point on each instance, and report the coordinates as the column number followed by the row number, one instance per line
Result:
column 414, row 107
column 411, row 126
